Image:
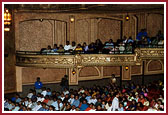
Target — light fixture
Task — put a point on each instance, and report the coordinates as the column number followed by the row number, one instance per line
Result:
column 7, row 20
column 126, row 68
column 127, row 17
column 41, row 20
column 73, row 72
column 7, row 29
column 72, row 19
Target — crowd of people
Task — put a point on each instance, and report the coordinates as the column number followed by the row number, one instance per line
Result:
column 111, row 97
column 124, row 45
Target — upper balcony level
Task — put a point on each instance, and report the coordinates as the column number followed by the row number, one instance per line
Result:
column 69, row 60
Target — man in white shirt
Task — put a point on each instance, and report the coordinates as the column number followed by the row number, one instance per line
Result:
column 115, row 103
column 67, row 46
column 110, row 106
column 44, row 91
column 93, row 100
column 71, row 100
column 37, row 107
column 73, row 45
column 30, row 94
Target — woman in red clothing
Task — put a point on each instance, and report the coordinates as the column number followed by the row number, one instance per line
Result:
column 90, row 107
column 141, row 99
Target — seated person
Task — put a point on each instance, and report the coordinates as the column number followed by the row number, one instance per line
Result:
column 61, row 49
column 129, row 48
column 121, row 47
column 85, row 47
column 159, row 34
column 55, row 48
column 145, row 41
column 47, row 50
column 91, row 48
column 114, row 50
column 98, row 45
column 67, row 47
column 160, row 42
column 78, row 49
column 140, row 34
column 73, row 45
column 130, row 40
column 108, row 46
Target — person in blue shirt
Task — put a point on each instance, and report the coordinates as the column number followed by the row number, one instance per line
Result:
column 84, row 106
column 38, row 85
column 76, row 102
column 43, row 108
column 140, row 34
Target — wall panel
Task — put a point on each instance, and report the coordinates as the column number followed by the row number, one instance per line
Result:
column 109, row 29
column 29, row 75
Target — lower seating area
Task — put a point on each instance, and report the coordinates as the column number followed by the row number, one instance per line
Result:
column 131, row 97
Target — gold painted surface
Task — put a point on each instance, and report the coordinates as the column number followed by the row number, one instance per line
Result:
column 80, row 60
column 150, row 53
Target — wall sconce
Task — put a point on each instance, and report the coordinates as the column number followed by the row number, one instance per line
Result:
column 73, row 72
column 41, row 20
column 126, row 68
column 72, row 19
column 127, row 17
column 7, row 20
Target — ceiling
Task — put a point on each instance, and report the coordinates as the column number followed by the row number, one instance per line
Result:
column 90, row 8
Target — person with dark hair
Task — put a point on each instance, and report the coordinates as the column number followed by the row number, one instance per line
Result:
column 98, row 46
column 67, row 47
column 84, row 105
column 38, row 85
column 91, row 48
column 140, row 34
column 115, row 102
column 78, row 48
column 55, row 48
column 85, row 47
column 61, row 49
column 73, row 45
column 64, row 83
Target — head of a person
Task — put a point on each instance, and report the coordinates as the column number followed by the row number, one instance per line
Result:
column 38, row 103
column 99, row 107
column 84, row 101
column 49, row 47
column 76, row 97
column 66, row 76
column 73, row 43
column 110, row 41
column 79, row 46
column 55, row 46
column 120, row 105
column 38, row 79
column 84, row 44
column 61, row 46
column 67, row 42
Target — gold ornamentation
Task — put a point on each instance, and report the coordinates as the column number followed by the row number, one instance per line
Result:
column 80, row 60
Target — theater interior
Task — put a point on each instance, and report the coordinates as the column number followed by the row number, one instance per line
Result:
column 30, row 27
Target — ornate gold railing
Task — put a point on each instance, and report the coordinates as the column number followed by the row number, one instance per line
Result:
column 34, row 59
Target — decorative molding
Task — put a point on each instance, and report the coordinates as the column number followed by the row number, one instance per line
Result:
column 81, row 60
column 147, row 72
column 151, row 53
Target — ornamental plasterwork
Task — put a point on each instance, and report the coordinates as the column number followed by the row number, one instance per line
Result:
column 80, row 60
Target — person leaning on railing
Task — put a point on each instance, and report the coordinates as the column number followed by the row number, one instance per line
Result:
column 78, row 49
column 61, row 49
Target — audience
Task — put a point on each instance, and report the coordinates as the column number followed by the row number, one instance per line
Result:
column 121, row 46
column 129, row 97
